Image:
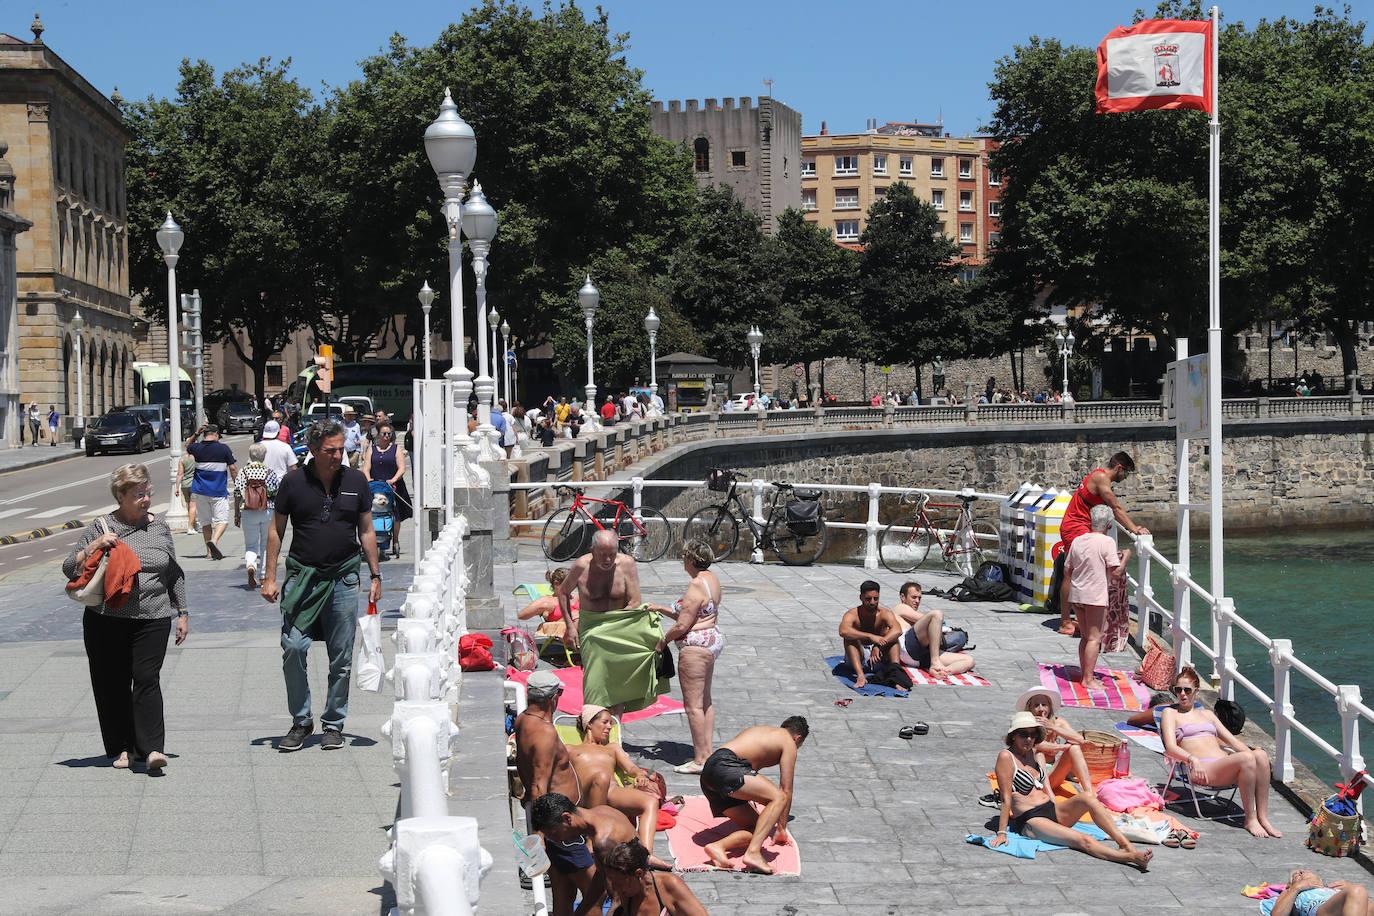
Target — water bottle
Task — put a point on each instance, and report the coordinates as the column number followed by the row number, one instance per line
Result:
column 1121, row 768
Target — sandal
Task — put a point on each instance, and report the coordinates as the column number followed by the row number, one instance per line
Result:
column 1186, row 841
column 688, row 769
column 1172, row 840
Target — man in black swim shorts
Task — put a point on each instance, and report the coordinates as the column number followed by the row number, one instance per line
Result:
column 730, row 781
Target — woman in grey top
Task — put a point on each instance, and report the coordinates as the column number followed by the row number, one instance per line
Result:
column 125, row 647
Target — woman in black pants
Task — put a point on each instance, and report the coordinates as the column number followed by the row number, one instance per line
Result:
column 125, row 646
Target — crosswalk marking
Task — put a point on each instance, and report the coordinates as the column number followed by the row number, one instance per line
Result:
column 8, row 512
column 60, row 510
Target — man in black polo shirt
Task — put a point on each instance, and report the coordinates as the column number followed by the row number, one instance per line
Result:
column 330, row 510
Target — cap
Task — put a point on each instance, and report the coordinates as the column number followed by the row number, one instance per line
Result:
column 270, row 429
column 543, row 683
column 1022, row 720
column 1050, row 695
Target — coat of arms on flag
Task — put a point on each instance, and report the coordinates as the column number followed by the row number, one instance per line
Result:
column 1156, row 63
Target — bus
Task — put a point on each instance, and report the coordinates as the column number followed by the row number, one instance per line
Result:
column 388, row 382
column 154, row 386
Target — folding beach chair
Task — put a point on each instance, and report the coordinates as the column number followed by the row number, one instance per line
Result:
column 551, row 647
column 565, row 723
column 1179, row 779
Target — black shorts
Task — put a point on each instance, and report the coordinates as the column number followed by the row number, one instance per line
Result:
column 1018, row 823
column 722, row 776
column 914, row 649
column 566, row 858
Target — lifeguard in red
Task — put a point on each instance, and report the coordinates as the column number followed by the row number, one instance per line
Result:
column 1095, row 490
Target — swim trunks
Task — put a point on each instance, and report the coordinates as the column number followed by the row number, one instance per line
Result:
column 722, row 776
column 566, row 858
column 912, row 652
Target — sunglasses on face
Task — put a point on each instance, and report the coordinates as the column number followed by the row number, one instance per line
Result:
column 1181, row 689
column 1025, row 733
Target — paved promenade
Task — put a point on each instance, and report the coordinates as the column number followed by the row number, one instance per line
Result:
column 235, row 827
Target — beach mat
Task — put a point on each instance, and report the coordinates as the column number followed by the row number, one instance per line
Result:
column 1118, row 690
column 696, row 827
column 837, row 665
column 571, row 699
column 1147, row 738
column 968, row 679
column 1024, row 847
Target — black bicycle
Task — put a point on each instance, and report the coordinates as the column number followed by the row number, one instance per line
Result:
column 794, row 530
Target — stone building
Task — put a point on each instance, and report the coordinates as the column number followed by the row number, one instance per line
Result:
column 66, row 144
column 754, row 149
column 11, row 224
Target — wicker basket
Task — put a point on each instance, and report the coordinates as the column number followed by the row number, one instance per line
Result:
column 1099, row 750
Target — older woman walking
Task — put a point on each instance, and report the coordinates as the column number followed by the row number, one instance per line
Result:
column 1091, row 560
column 126, row 645
column 699, row 644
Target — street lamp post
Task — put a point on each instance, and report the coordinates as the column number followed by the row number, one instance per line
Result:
column 451, row 147
column 426, row 297
column 169, row 239
column 505, row 360
column 589, row 299
column 651, row 323
column 1065, row 345
column 479, row 226
column 755, row 338
column 78, row 328
column 494, row 321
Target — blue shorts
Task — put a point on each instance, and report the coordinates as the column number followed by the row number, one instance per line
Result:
column 566, row 858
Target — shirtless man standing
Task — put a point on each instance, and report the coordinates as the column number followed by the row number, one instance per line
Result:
column 870, row 624
column 730, row 781
column 604, row 580
column 926, row 629
column 542, row 761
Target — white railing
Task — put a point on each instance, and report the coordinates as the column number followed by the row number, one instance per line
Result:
column 756, row 488
column 1224, row 623
column 435, row 862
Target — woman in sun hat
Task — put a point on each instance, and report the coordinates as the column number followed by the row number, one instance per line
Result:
column 1062, row 744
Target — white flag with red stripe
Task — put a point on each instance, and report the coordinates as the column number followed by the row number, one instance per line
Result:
column 1156, row 63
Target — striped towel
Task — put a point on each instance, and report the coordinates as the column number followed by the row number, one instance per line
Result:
column 921, row 676
column 1118, row 690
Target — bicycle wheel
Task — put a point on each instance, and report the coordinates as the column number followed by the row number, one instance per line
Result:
column 714, row 526
column 903, row 545
column 566, row 536
column 648, row 540
column 985, row 538
column 797, row 549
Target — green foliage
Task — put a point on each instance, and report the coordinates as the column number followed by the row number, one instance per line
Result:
column 816, row 289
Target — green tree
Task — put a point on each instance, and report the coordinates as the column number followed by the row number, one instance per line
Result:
column 238, row 162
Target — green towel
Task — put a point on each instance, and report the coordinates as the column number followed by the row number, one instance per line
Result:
column 618, row 660
column 308, row 590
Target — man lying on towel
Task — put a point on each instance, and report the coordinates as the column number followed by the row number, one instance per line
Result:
column 924, row 628
column 617, row 632
column 730, row 781
column 874, row 627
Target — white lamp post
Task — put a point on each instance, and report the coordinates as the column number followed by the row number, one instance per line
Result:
column 79, row 417
column 589, row 299
column 755, row 338
column 651, row 323
column 1065, row 345
column 452, row 149
column 505, row 360
column 169, row 239
column 426, row 297
column 494, row 321
column 479, row 226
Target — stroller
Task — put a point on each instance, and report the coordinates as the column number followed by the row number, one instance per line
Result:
column 384, row 518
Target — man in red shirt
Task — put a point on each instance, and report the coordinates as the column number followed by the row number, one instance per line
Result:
column 608, row 411
column 1095, row 490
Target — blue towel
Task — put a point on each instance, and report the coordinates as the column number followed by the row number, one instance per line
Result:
column 838, row 664
column 1024, row 847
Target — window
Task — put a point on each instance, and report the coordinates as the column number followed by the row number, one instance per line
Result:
column 966, row 232
column 879, row 165
column 808, row 168
column 966, row 201
column 939, row 229
column 846, row 198
column 847, row 230
column 994, row 179
column 701, row 154
column 274, row 378
column 965, row 168
column 879, row 193
column 937, row 199
column 994, row 208
column 937, row 168
column 994, row 238
column 904, row 165
column 809, row 200
column 739, row 159
column 846, row 165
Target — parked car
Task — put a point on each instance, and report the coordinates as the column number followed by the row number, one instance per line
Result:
column 120, row 430
column 159, row 416
column 238, row 415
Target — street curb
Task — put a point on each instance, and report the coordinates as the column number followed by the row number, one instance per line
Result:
column 37, row 533
column 62, row 455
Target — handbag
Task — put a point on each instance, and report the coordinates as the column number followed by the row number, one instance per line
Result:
column 92, row 592
column 1334, row 834
column 1158, row 669
column 665, row 667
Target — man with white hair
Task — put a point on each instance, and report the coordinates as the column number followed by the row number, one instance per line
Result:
column 280, row 457
column 1091, row 559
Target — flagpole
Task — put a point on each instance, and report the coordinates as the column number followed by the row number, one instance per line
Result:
column 1218, row 582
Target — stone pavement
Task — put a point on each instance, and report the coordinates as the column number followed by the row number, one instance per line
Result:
column 235, row 827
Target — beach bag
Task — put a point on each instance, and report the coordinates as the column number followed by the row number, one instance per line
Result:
column 804, row 514
column 1333, row 834
column 255, row 495
column 1099, row 751
column 992, row 571
column 1117, row 622
column 521, row 653
column 474, row 653
column 664, row 664
column 91, row 593
column 975, row 589
column 1158, row 669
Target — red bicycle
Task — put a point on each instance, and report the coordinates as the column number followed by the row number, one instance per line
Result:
column 644, row 533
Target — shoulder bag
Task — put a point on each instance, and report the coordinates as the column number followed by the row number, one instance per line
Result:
column 92, row 592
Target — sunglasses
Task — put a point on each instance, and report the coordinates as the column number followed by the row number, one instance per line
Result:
column 328, row 504
column 1181, row 689
column 1025, row 733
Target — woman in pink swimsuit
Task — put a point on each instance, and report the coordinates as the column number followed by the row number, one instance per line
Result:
column 699, row 644
column 1197, row 737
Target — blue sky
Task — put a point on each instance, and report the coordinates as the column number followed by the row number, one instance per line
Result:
column 841, row 62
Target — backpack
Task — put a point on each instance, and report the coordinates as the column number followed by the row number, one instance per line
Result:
column 474, row 652
column 976, row 589
column 255, row 494
column 992, row 571
column 803, row 514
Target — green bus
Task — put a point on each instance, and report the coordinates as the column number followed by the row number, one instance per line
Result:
column 388, row 382
column 154, row 385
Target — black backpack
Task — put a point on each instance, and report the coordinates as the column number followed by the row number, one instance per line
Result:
column 976, row 589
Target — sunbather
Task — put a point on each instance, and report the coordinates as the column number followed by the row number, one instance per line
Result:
column 546, row 606
column 558, row 819
column 873, row 628
column 1030, row 809
column 1307, row 896
column 642, row 892
column 1062, row 743
column 730, row 781
column 1195, row 736
column 596, row 760
column 921, row 630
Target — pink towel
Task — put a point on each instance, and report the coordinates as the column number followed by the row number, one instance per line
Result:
column 571, row 699
column 1118, row 690
column 696, row 827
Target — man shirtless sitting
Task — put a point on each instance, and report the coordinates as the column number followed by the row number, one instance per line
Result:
column 874, row 626
column 730, row 781
column 544, row 766
column 605, row 580
column 924, row 629
column 559, row 819
column 596, row 761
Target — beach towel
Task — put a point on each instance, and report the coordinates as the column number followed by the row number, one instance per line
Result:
column 619, row 664
column 571, row 700
column 1023, row 847
column 1118, row 690
column 696, row 827
column 1147, row 738
column 840, row 669
column 921, row 676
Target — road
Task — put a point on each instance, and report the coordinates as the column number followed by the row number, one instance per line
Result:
column 75, row 488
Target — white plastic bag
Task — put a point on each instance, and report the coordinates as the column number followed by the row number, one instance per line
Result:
column 368, row 674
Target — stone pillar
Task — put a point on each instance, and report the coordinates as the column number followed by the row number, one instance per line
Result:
column 817, row 405
column 970, row 404
column 1356, row 401
column 502, row 546
column 484, row 611
column 1262, row 407
column 889, row 415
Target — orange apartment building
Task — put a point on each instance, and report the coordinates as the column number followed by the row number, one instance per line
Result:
column 843, row 174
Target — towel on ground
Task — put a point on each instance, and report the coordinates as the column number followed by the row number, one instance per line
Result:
column 1023, row 847
column 1118, row 690
column 696, row 827
column 1147, row 738
column 969, row 679
column 1066, row 790
column 619, row 664
column 571, row 699
column 845, row 675
column 1263, row 891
